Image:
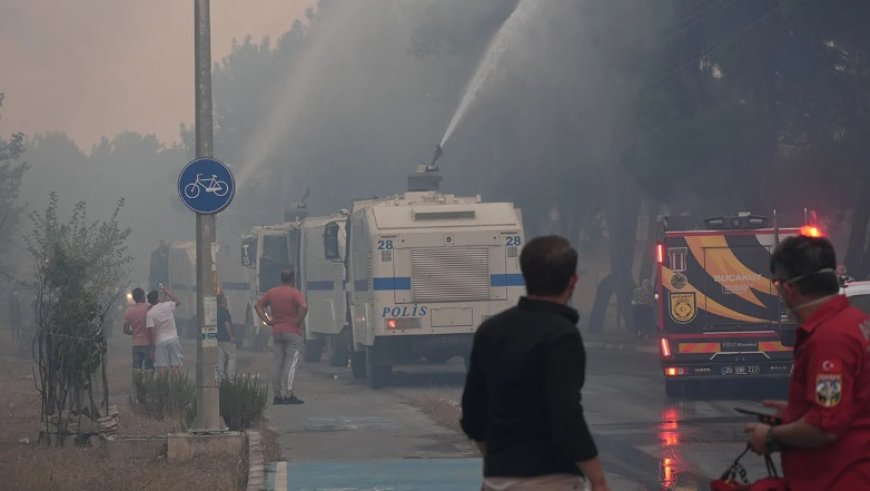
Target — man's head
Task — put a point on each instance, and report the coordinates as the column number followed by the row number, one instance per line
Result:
column 138, row 295
column 549, row 266
column 804, row 269
column 153, row 297
column 288, row 277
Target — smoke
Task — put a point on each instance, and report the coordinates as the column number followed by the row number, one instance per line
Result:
column 95, row 68
column 495, row 52
column 347, row 106
column 296, row 85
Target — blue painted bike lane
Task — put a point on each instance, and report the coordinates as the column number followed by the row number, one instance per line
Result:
column 376, row 475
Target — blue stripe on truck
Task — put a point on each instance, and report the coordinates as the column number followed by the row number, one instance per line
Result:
column 514, row 279
column 320, row 286
column 404, row 282
column 235, row 285
column 397, row 283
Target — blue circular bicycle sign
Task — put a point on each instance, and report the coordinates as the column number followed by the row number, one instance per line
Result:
column 206, row 185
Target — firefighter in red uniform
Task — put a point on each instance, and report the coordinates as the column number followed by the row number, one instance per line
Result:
column 825, row 432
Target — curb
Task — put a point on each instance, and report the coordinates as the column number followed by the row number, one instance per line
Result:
column 620, row 346
column 276, row 476
column 256, row 464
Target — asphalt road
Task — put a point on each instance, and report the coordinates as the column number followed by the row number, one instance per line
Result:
column 350, row 437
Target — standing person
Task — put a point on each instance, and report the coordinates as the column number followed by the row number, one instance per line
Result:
column 843, row 275
column 825, row 430
column 521, row 402
column 15, row 314
column 161, row 321
column 134, row 325
column 288, row 309
column 226, row 368
column 642, row 305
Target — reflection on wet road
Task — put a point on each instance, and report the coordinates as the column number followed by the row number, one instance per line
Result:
column 652, row 442
column 647, row 441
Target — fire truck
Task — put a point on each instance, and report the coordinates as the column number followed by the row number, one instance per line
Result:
column 719, row 315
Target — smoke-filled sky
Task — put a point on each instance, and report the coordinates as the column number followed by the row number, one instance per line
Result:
column 92, row 68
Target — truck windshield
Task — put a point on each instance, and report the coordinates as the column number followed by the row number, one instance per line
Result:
column 275, row 257
column 159, row 269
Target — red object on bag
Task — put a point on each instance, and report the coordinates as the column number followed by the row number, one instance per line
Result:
column 723, row 485
column 769, row 484
column 728, row 481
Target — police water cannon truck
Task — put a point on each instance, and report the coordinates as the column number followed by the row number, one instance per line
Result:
column 173, row 265
column 424, row 269
column 321, row 279
column 297, row 244
column 266, row 251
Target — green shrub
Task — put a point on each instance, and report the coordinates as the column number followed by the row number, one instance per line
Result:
column 243, row 398
column 243, row 401
column 162, row 395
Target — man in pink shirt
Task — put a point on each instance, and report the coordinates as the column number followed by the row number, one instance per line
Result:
column 134, row 325
column 288, row 308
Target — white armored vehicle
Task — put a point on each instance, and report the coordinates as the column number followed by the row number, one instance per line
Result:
column 322, row 282
column 424, row 269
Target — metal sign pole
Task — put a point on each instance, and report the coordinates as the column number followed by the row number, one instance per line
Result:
column 207, row 393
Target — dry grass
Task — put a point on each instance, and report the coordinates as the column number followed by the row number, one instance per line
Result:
column 33, row 466
column 445, row 413
column 271, row 447
column 37, row 467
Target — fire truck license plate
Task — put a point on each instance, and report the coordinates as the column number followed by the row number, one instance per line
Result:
column 741, row 370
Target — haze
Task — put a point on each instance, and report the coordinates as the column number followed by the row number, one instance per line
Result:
column 92, row 68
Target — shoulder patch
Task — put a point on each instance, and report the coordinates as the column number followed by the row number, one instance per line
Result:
column 829, row 390
column 865, row 329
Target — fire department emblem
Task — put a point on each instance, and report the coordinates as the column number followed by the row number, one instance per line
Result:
column 683, row 307
column 829, row 390
column 679, row 281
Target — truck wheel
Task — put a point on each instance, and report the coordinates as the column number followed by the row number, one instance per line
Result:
column 313, row 350
column 261, row 339
column 378, row 375
column 339, row 354
column 674, row 388
column 358, row 364
column 247, row 330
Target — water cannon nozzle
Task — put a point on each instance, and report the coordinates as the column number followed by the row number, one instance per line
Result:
column 439, row 150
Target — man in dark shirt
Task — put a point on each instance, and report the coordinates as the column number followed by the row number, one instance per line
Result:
column 226, row 368
column 521, row 403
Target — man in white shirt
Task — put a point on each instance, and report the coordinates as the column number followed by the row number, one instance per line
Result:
column 161, row 319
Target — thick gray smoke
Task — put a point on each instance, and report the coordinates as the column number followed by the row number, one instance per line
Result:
column 350, row 100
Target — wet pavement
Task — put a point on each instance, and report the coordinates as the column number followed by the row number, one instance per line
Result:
column 350, row 437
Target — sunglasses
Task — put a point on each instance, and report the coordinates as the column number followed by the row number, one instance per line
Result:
column 777, row 282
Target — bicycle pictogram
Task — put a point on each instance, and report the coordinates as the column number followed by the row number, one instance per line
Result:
column 212, row 185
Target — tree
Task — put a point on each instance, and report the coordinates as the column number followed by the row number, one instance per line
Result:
column 80, row 270
column 11, row 171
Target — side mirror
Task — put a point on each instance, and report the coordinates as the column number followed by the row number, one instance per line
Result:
column 249, row 251
column 330, row 242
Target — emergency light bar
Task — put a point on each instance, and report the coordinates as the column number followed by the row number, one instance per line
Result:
column 811, row 231
column 743, row 221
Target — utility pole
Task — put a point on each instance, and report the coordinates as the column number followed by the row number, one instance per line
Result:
column 207, row 394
